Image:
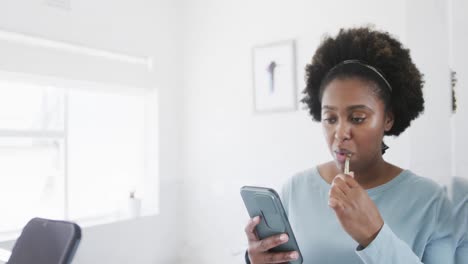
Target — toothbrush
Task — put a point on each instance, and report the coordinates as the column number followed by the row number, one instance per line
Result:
column 346, row 167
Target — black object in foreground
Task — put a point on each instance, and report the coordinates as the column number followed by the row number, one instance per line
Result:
column 44, row 241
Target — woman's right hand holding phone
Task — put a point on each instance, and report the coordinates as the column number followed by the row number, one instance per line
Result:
column 258, row 249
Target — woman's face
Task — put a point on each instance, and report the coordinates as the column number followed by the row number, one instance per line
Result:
column 354, row 122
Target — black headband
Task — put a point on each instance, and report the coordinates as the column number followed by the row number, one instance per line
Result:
column 362, row 64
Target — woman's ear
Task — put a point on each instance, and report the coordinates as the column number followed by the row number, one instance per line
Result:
column 389, row 119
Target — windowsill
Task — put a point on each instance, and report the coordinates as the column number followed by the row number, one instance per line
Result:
column 113, row 219
column 88, row 222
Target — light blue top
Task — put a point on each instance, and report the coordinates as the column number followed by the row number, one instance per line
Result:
column 460, row 210
column 416, row 211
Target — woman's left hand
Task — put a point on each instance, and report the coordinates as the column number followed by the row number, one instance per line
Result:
column 357, row 213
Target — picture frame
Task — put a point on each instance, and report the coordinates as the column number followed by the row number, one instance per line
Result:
column 274, row 77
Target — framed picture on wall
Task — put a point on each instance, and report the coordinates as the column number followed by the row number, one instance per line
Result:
column 274, row 77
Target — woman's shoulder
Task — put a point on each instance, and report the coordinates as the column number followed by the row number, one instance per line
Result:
column 427, row 189
column 309, row 174
column 305, row 178
column 459, row 190
column 421, row 183
column 302, row 184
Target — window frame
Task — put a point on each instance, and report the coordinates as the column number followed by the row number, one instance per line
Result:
column 68, row 85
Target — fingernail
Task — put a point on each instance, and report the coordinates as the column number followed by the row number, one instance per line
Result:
column 293, row 255
column 351, row 173
column 255, row 219
column 284, row 237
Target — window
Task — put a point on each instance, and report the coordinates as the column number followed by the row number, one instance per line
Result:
column 75, row 153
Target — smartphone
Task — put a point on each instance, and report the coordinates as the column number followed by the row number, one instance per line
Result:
column 45, row 241
column 266, row 203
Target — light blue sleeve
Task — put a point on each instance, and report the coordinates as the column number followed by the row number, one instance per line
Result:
column 460, row 197
column 462, row 254
column 388, row 248
column 461, row 233
column 440, row 248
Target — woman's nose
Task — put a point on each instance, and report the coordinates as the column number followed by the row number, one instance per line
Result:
column 342, row 131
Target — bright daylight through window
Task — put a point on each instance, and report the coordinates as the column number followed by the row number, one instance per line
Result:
column 75, row 153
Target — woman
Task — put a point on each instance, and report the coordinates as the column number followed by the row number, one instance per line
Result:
column 361, row 85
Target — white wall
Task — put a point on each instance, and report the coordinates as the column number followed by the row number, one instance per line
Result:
column 459, row 62
column 228, row 146
column 437, row 37
column 428, row 40
column 143, row 28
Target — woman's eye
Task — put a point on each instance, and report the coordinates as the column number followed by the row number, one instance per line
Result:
column 357, row 120
column 330, row 120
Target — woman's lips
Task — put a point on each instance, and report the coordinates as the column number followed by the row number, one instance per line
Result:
column 341, row 156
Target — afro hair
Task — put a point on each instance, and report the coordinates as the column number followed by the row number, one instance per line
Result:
column 380, row 50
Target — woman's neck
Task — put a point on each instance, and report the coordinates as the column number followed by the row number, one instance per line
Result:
column 376, row 174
